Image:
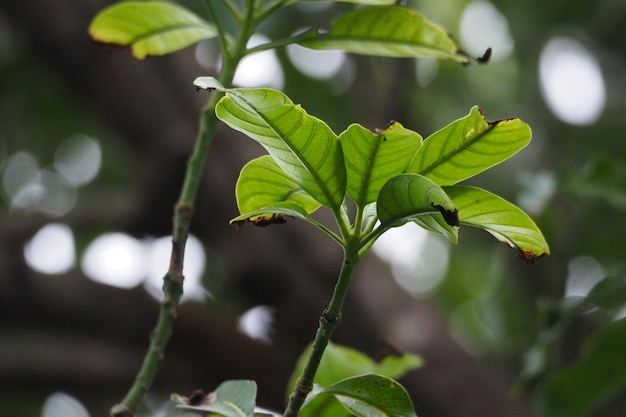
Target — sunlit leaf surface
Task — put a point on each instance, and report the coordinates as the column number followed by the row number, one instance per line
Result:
column 391, row 31
column 150, row 28
column 504, row 220
column 436, row 223
column 468, row 147
column 262, row 183
column 406, row 197
column 372, row 158
column 302, row 145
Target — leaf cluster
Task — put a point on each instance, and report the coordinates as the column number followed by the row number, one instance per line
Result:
column 378, row 28
column 371, row 181
column 347, row 383
column 390, row 176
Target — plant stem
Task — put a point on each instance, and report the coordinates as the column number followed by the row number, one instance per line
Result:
column 183, row 212
column 331, row 316
column 173, row 279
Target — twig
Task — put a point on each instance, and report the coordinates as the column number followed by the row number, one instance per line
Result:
column 329, row 321
column 173, row 279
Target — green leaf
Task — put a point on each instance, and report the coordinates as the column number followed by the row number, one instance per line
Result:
column 341, row 362
column 391, row 31
column 373, row 158
column 208, row 83
column 150, row 28
column 505, row 221
column 397, row 366
column 231, row 399
column 596, row 377
column 373, row 395
column 405, row 197
column 302, row 145
column 469, row 146
column 262, row 183
column 437, row 224
column 338, row 362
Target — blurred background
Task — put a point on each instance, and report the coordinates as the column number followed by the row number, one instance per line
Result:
column 93, row 147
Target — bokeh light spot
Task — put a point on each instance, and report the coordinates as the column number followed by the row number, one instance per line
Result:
column 78, row 160
column 320, row 65
column 51, row 250
column 261, row 69
column 583, row 273
column 115, row 259
column 60, row 404
column 256, row 323
column 418, row 259
column 571, row 81
column 158, row 257
column 482, row 26
column 30, row 189
column 426, row 70
column 21, row 171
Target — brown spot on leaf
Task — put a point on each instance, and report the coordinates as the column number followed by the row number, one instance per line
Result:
column 197, row 397
column 209, row 89
column 450, row 216
column 263, row 221
column 528, row 256
column 107, row 45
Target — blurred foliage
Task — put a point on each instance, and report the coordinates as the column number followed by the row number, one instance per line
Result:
column 500, row 309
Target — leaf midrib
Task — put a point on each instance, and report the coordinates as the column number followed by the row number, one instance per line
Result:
column 329, row 196
column 466, row 145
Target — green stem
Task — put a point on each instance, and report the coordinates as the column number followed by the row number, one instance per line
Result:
column 183, row 213
column 223, row 34
column 309, row 34
column 331, row 316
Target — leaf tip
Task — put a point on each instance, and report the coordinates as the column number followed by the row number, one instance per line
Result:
column 451, row 217
column 530, row 257
column 207, row 83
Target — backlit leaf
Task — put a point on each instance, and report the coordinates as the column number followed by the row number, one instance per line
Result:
column 373, row 158
column 505, row 221
column 406, row 197
column 150, row 27
column 262, row 183
column 391, row 31
column 469, row 146
column 302, row 145
column 435, row 223
column 373, row 395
